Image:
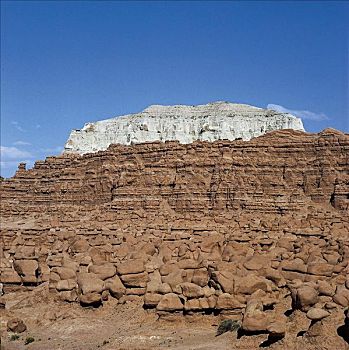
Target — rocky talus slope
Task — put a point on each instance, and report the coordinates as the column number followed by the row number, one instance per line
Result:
column 186, row 124
column 256, row 231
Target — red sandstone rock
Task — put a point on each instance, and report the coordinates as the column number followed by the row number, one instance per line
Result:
column 152, row 299
column 227, row 301
column 232, row 222
column 316, row 314
column 66, row 284
column 64, row 273
column 90, row 283
column 135, row 279
column 115, row 287
column 27, row 270
column 170, row 302
column 90, row 299
column 254, row 318
column 200, row 277
column 305, row 296
column 68, row 295
column 191, row 290
column 80, row 246
column 341, row 296
column 325, row 288
column 251, row 283
column 104, row 271
column 131, row 266
column 16, row 325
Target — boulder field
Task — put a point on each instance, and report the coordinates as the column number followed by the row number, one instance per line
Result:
column 255, row 231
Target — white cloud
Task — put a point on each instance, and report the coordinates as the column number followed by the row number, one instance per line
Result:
column 18, row 126
column 10, row 157
column 22, row 143
column 13, row 153
column 304, row 114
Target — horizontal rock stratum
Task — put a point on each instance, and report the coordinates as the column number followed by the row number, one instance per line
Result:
column 210, row 122
column 257, row 231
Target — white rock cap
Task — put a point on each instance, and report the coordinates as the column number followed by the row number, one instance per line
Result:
column 214, row 121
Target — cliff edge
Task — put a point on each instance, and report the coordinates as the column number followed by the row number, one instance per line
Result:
column 186, row 124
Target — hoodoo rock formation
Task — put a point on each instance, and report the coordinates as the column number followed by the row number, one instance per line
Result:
column 257, row 230
column 214, row 121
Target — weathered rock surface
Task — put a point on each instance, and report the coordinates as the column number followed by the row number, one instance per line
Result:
column 316, row 314
column 16, row 325
column 170, row 302
column 214, row 121
column 249, row 229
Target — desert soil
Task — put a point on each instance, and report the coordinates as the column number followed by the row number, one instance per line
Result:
column 58, row 325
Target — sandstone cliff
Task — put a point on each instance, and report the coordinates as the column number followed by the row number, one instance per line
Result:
column 214, row 121
column 252, row 229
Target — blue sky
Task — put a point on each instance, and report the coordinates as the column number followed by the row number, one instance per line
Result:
column 66, row 63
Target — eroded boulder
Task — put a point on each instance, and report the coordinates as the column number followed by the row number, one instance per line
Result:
column 170, row 302
column 115, row 287
column 90, row 299
column 27, row 270
column 304, row 297
column 316, row 314
column 90, row 283
column 16, row 325
column 103, row 271
column 131, row 267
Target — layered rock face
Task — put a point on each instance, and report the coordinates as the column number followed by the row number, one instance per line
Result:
column 250, row 229
column 215, row 121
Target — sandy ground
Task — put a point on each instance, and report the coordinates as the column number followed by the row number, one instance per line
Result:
column 57, row 325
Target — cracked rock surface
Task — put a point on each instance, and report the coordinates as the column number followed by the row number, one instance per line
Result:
column 186, row 124
column 177, row 237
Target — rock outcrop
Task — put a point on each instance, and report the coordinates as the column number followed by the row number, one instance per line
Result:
column 256, row 229
column 186, row 124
